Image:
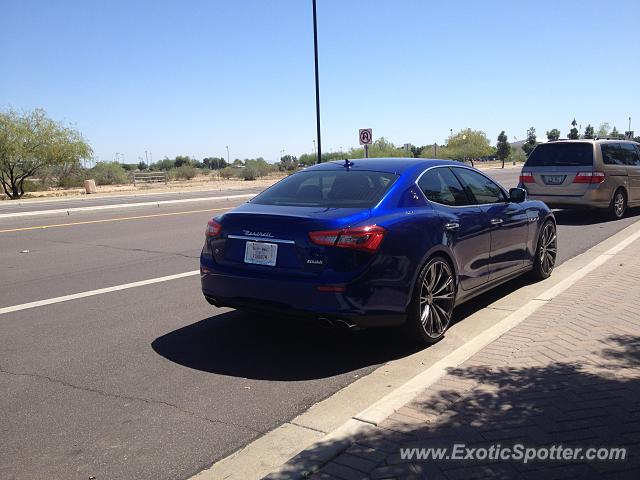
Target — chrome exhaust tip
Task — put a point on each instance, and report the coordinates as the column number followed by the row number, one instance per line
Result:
column 338, row 323
column 327, row 322
column 211, row 301
column 342, row 323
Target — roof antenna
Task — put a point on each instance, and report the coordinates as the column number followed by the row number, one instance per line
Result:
column 347, row 164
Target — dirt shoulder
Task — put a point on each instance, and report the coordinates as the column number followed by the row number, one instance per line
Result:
column 199, row 183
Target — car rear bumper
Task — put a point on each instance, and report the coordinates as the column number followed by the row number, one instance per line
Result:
column 358, row 305
column 592, row 198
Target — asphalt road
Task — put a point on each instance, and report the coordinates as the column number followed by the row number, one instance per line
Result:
column 152, row 382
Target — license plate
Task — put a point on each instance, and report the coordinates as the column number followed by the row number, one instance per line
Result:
column 261, row 253
column 554, row 179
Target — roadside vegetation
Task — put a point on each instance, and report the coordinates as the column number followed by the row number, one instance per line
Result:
column 38, row 153
column 32, row 144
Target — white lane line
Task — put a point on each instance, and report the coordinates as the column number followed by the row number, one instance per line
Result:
column 69, row 211
column 100, row 291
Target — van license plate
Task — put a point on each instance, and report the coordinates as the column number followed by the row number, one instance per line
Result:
column 554, row 179
column 261, row 253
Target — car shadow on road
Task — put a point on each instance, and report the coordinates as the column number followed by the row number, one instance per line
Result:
column 260, row 347
column 482, row 301
column 266, row 348
column 588, row 217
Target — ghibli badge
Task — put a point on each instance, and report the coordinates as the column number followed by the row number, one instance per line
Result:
column 249, row 233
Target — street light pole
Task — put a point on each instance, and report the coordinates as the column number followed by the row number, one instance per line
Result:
column 315, row 53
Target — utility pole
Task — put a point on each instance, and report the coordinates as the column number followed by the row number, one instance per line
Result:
column 315, row 53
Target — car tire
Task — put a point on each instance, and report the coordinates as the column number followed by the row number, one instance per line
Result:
column 546, row 251
column 432, row 304
column 618, row 205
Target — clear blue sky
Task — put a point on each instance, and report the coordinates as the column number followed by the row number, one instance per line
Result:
column 189, row 77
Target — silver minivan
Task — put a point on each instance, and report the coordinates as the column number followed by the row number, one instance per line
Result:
column 599, row 173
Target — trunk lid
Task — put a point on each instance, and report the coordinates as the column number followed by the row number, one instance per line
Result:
column 276, row 239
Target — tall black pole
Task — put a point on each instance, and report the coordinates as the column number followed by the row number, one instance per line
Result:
column 315, row 52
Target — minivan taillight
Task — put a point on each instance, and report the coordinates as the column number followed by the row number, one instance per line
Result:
column 526, row 177
column 366, row 238
column 213, row 229
column 589, row 177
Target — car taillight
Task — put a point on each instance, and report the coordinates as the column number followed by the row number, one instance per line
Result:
column 366, row 238
column 589, row 177
column 526, row 177
column 213, row 229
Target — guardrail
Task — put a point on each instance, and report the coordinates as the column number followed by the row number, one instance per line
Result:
column 149, row 177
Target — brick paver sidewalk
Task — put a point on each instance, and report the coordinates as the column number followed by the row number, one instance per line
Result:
column 568, row 375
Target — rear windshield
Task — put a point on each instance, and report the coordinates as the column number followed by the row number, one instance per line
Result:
column 333, row 189
column 561, row 154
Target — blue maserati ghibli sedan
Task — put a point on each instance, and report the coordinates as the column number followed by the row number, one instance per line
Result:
column 373, row 242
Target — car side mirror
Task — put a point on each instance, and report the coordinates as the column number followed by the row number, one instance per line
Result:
column 517, row 195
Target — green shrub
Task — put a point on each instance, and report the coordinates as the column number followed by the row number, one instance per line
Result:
column 185, row 172
column 164, row 164
column 108, row 173
column 227, row 172
column 71, row 181
column 250, row 172
column 33, row 186
column 517, row 156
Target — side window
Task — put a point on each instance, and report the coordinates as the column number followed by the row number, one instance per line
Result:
column 612, row 154
column 630, row 154
column 439, row 185
column 480, row 187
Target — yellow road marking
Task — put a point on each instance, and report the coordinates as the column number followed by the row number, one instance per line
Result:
column 42, row 227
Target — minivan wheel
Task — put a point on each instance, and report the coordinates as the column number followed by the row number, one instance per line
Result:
column 546, row 251
column 433, row 301
column 618, row 204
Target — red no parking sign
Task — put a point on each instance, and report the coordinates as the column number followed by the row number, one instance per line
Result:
column 365, row 136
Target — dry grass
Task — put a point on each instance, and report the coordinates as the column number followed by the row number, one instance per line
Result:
column 200, row 182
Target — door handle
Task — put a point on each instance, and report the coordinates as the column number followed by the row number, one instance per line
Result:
column 452, row 226
column 496, row 221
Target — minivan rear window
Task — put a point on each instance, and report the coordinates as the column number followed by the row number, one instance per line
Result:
column 329, row 188
column 561, row 155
